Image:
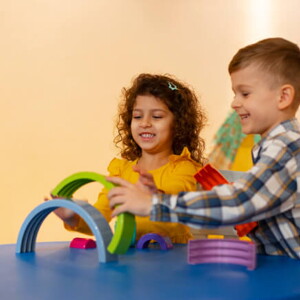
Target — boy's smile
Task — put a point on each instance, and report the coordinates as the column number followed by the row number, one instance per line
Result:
column 256, row 100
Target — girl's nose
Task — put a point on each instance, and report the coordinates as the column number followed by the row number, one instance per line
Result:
column 145, row 122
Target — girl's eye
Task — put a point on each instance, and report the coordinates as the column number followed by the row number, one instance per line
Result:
column 136, row 117
column 157, row 117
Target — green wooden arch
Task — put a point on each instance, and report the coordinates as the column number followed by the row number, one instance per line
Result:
column 125, row 227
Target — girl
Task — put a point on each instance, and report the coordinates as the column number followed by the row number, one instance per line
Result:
column 158, row 127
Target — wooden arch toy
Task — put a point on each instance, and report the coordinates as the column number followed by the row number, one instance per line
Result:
column 125, row 225
column 94, row 219
column 108, row 244
column 222, row 251
column 163, row 241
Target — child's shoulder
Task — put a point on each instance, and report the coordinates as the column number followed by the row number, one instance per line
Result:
column 118, row 165
column 285, row 135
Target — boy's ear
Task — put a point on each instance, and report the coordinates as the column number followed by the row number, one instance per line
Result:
column 287, row 94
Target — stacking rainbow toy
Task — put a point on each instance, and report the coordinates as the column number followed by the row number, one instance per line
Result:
column 108, row 245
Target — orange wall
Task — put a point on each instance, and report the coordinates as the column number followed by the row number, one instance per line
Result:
column 63, row 64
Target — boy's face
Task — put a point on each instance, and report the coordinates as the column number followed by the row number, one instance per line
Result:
column 255, row 100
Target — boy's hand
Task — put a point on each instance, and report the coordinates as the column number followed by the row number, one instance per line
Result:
column 128, row 197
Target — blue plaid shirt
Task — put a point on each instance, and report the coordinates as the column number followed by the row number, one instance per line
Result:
column 268, row 193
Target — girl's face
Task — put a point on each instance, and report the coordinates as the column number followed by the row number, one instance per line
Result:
column 152, row 125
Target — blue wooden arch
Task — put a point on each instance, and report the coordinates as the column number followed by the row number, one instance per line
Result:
column 94, row 219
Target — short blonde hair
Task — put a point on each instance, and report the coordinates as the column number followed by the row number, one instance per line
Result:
column 278, row 57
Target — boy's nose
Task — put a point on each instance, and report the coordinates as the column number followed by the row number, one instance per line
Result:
column 235, row 103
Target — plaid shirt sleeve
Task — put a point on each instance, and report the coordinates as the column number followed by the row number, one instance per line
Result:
column 268, row 193
column 267, row 190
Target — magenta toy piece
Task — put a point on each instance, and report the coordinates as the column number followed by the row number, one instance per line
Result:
column 222, row 251
column 83, row 243
column 164, row 241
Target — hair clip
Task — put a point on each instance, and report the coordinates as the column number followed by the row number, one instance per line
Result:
column 172, row 86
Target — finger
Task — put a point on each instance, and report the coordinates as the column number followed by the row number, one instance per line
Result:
column 147, row 176
column 139, row 170
column 116, row 191
column 136, row 168
column 145, row 173
column 115, row 200
column 118, row 181
column 118, row 210
column 146, row 181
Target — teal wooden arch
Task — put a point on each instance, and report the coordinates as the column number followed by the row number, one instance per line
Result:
column 94, row 219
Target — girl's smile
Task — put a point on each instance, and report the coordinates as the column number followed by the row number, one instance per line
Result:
column 147, row 136
column 152, row 125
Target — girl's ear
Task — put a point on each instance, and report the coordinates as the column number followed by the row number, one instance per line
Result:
column 287, row 94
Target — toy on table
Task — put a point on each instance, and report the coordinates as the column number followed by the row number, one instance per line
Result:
column 222, row 251
column 83, row 243
column 108, row 245
column 209, row 177
column 133, row 239
column 216, row 236
column 96, row 222
column 125, row 227
column 220, row 236
column 163, row 241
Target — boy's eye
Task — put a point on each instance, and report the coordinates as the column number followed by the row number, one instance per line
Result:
column 245, row 94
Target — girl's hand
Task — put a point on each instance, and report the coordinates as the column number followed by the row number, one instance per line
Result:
column 146, row 180
column 128, row 197
column 66, row 215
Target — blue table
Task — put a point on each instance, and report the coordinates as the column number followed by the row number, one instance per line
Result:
column 56, row 272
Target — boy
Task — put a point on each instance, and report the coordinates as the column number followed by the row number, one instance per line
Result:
column 265, row 79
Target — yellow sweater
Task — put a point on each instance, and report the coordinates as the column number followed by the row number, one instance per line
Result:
column 174, row 177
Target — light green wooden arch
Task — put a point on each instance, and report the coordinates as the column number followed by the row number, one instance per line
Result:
column 125, row 227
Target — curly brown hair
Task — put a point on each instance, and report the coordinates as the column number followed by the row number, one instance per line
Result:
column 189, row 117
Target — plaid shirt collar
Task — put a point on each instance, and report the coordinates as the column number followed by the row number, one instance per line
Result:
column 287, row 125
